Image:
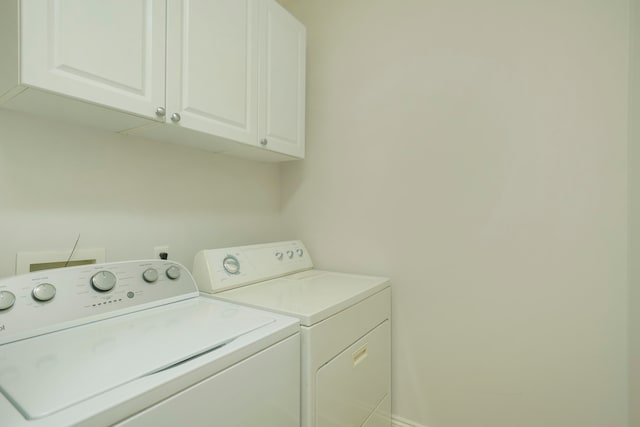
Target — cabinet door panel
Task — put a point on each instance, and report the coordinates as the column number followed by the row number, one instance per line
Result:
column 282, row 84
column 211, row 68
column 107, row 52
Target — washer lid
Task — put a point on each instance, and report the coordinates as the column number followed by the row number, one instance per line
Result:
column 312, row 295
column 45, row 374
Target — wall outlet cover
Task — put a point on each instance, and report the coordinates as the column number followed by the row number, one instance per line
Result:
column 157, row 250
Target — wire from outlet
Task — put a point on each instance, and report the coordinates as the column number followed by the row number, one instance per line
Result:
column 75, row 245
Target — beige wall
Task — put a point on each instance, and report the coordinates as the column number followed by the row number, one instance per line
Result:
column 634, row 214
column 124, row 194
column 476, row 153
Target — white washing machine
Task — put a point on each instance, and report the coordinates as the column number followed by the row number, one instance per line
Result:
column 345, row 323
column 133, row 344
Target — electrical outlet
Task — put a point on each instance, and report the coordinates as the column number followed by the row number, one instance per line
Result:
column 157, row 250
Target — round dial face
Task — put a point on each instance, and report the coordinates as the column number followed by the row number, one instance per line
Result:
column 231, row 264
column 7, row 299
column 173, row 272
column 103, row 281
column 44, row 292
column 150, row 275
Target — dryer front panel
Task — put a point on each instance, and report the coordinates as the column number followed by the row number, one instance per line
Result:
column 351, row 386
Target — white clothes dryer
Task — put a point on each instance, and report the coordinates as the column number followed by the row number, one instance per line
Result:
column 345, row 323
column 133, row 344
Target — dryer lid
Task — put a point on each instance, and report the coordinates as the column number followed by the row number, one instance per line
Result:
column 46, row 374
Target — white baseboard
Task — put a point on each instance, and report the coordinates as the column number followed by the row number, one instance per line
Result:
column 397, row 421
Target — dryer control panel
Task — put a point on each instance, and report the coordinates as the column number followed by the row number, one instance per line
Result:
column 217, row 270
column 50, row 300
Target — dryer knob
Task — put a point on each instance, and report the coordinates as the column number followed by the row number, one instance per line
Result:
column 290, row 254
column 173, row 272
column 103, row 281
column 300, row 252
column 7, row 299
column 231, row 264
column 43, row 292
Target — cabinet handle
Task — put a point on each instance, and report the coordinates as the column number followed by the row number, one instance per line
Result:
column 160, row 112
column 264, row 141
column 175, row 117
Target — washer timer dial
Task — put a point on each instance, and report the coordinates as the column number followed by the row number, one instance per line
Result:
column 150, row 275
column 44, row 292
column 173, row 272
column 7, row 299
column 103, row 281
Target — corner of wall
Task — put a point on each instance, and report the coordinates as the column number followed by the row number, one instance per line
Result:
column 633, row 211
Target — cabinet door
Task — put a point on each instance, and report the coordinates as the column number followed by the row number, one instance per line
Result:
column 212, row 67
column 106, row 52
column 282, row 81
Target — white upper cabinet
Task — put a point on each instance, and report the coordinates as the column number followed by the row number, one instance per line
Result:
column 110, row 53
column 224, row 75
column 212, row 67
column 282, row 81
column 236, row 71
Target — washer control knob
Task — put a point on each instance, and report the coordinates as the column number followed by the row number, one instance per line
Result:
column 290, row 254
column 103, row 281
column 300, row 252
column 231, row 264
column 43, row 292
column 7, row 299
column 173, row 272
column 278, row 255
column 150, row 275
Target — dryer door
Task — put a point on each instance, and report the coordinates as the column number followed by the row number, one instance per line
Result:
column 351, row 386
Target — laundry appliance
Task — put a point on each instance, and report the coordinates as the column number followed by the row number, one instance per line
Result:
column 345, row 325
column 133, row 344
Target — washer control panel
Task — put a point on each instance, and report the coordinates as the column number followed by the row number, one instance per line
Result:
column 50, row 300
column 216, row 270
